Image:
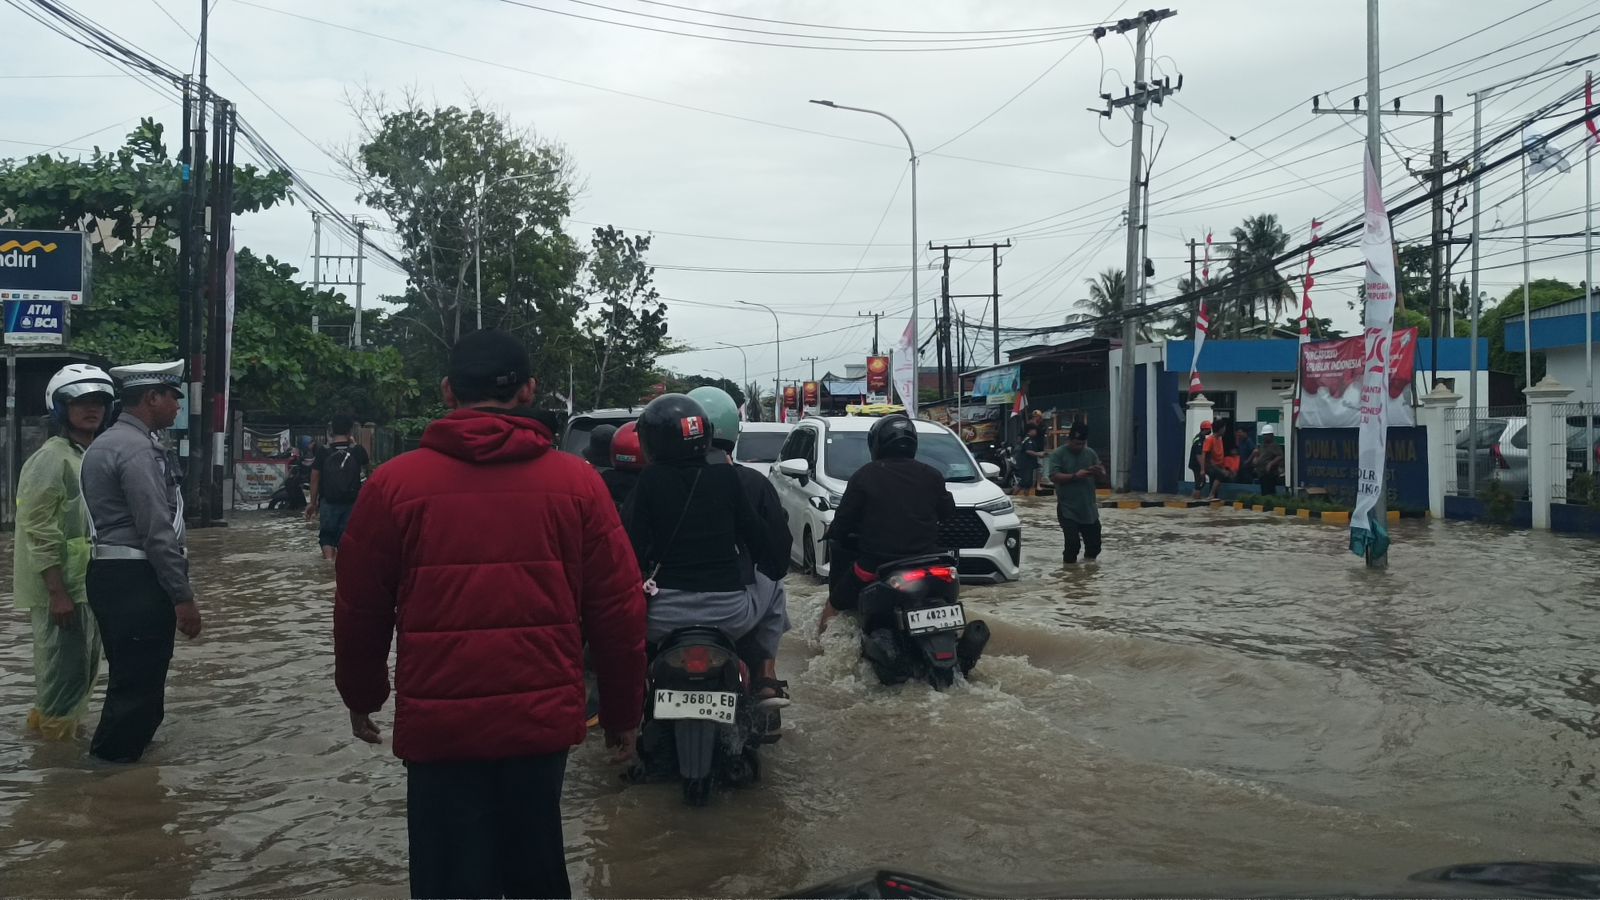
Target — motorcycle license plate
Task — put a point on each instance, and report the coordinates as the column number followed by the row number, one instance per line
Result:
column 710, row 706
column 939, row 618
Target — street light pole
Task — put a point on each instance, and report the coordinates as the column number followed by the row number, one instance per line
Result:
column 777, row 334
column 477, row 233
column 916, row 246
column 745, row 386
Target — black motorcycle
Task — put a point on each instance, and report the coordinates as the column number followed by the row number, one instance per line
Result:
column 701, row 723
column 1005, row 459
column 292, row 493
column 914, row 626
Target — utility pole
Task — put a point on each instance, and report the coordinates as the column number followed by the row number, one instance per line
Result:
column 361, row 256
column 1139, row 97
column 217, row 363
column 316, row 270
column 874, row 316
column 347, row 271
column 943, row 332
column 813, row 361
column 993, row 296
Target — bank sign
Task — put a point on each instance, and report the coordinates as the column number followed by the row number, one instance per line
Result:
column 44, row 266
column 36, row 322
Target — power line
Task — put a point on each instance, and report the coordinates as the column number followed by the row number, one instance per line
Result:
column 726, row 15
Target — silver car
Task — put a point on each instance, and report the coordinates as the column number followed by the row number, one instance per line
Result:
column 1503, row 452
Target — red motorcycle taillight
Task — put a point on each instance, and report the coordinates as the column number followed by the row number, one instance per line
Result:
column 697, row 660
column 943, row 573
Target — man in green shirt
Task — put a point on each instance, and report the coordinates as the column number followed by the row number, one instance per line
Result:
column 1073, row 468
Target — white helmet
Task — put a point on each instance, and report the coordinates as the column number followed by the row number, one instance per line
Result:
column 73, row 382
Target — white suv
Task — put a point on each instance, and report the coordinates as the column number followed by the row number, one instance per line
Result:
column 823, row 452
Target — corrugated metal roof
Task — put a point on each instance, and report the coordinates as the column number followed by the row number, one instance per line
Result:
column 1573, row 307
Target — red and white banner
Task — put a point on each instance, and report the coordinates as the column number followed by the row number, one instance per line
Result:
column 812, row 397
column 1588, row 109
column 1305, row 306
column 905, row 367
column 1331, row 374
column 1202, row 325
column 1369, row 535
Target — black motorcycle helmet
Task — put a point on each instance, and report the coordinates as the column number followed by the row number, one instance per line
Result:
column 599, row 452
column 891, row 437
column 674, row 428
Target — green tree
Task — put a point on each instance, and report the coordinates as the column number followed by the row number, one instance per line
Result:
column 755, row 406
column 1259, row 290
column 628, row 328
column 1104, row 306
column 1493, row 324
column 130, row 197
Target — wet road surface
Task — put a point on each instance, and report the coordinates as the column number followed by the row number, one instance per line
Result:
column 1225, row 695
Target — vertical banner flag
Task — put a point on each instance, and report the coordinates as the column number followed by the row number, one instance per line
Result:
column 1202, row 325
column 812, row 397
column 905, row 366
column 1588, row 110
column 1368, row 535
column 791, row 401
column 877, row 379
column 1305, row 308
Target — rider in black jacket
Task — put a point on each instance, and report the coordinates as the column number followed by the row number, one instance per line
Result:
column 891, row 510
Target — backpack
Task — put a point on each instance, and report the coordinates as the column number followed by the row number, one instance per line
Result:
column 341, row 475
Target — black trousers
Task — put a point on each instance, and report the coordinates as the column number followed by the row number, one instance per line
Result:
column 136, row 622
column 487, row 829
column 1078, row 535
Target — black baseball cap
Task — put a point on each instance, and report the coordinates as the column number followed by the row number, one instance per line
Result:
column 488, row 364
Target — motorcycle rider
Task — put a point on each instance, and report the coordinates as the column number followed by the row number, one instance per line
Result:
column 689, row 522
column 627, row 461
column 765, row 575
column 598, row 453
column 891, row 510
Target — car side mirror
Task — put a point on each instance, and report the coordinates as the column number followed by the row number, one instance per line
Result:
column 796, row 468
column 989, row 469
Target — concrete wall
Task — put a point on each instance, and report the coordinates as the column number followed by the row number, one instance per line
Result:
column 1567, row 365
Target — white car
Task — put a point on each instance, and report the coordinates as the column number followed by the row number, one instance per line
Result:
column 821, row 454
column 759, row 443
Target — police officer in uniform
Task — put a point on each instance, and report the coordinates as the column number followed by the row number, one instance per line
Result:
column 138, row 582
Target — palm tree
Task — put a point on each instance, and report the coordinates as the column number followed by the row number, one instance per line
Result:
column 1108, row 293
column 1258, row 283
column 754, row 399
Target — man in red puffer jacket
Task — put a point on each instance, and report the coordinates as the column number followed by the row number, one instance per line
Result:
column 498, row 560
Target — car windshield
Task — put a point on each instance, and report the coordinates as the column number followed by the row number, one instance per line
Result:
column 847, row 452
column 759, row 446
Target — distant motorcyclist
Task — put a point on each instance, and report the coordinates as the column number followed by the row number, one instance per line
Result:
column 891, row 510
column 627, row 461
column 764, row 575
column 598, row 453
column 689, row 523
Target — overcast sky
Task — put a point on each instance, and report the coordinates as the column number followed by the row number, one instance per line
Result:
column 711, row 145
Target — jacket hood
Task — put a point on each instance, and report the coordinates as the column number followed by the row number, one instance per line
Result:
column 488, row 436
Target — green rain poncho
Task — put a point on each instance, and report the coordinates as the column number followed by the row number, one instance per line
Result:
column 53, row 530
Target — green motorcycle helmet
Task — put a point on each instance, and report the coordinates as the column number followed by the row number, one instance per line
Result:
column 723, row 413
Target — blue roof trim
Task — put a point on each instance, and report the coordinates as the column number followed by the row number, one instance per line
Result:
column 1550, row 333
column 1281, row 356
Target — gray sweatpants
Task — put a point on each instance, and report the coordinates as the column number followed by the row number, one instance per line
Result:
column 762, row 608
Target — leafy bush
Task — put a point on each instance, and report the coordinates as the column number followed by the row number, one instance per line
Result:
column 1499, row 505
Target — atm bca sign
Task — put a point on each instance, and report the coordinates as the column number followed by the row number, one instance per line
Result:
column 35, row 321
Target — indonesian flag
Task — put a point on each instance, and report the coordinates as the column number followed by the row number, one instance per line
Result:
column 1305, row 304
column 1021, row 406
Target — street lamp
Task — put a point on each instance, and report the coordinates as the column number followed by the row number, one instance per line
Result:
column 744, row 385
column 777, row 347
column 916, row 246
column 477, row 233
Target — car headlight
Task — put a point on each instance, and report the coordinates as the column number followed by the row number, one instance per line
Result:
column 999, row 506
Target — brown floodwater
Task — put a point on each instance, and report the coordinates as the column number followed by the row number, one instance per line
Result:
column 1224, row 696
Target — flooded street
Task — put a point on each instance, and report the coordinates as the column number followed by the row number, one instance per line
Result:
column 1226, row 695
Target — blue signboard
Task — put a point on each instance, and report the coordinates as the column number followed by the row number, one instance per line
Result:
column 36, row 321
column 999, row 386
column 44, row 265
column 1327, row 458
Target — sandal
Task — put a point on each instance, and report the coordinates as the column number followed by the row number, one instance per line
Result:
column 770, row 693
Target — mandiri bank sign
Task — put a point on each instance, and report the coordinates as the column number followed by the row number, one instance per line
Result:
column 44, row 266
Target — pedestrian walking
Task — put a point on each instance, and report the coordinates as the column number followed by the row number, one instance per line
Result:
column 1073, row 469
column 1267, row 461
column 496, row 559
column 51, row 554
column 1197, row 458
column 1030, row 454
column 138, row 578
column 337, row 474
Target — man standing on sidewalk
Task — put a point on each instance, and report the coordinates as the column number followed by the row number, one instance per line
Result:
column 1073, row 468
column 138, row 581
column 498, row 558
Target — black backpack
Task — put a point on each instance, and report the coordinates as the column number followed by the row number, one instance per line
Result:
column 341, row 475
